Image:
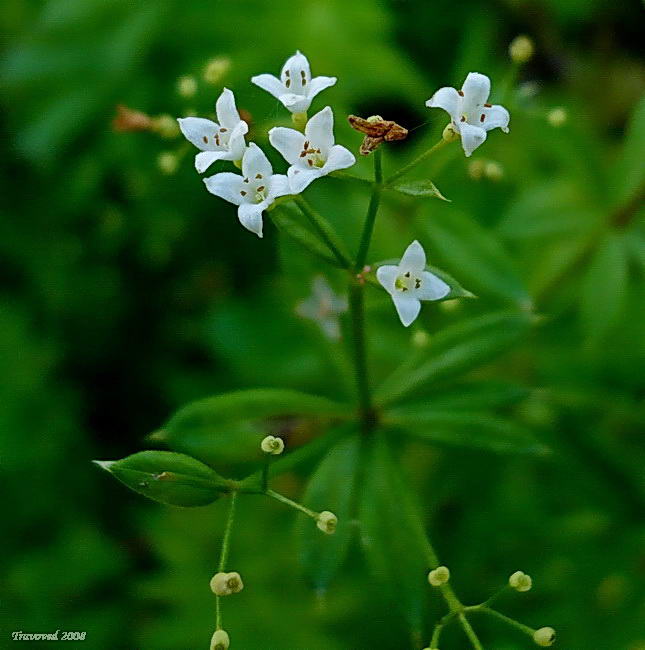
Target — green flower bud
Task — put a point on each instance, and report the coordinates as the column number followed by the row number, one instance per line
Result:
column 165, row 125
column 420, row 339
column 439, row 576
column 327, row 522
column 167, row 162
column 450, row 134
column 299, row 120
column 216, row 69
column 272, row 445
column 493, row 171
column 521, row 49
column 557, row 117
column 225, row 584
column 520, row 581
column 220, row 640
column 187, row 86
column 476, row 169
column 544, row 637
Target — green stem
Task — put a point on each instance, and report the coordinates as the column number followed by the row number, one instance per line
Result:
column 292, row 504
column 357, row 309
column 324, row 230
column 509, row 621
column 419, row 159
column 470, row 633
column 375, row 199
column 223, row 557
column 495, row 596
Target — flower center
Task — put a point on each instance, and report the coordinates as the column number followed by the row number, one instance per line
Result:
column 256, row 190
column 407, row 282
column 312, row 156
column 295, row 82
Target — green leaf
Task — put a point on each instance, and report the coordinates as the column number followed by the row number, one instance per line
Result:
column 330, row 488
column 629, row 170
column 475, row 430
column 604, row 287
column 422, row 188
column 473, row 254
column 227, row 429
column 477, row 395
column 456, row 350
column 167, row 477
column 393, row 536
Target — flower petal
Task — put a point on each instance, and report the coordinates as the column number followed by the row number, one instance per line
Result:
column 278, row 186
column 236, row 143
column 200, row 132
column 227, row 186
column 387, row 275
column 226, row 110
column 318, row 84
column 475, row 91
column 300, row 179
column 414, row 258
column 471, row 137
column 250, row 216
column 339, row 158
column 288, row 142
column 269, row 83
column 448, row 99
column 255, row 162
column 296, row 74
column 204, row 159
column 295, row 103
column 407, row 306
column 495, row 116
column 432, row 287
column 320, row 130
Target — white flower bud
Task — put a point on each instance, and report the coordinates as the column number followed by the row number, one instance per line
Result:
column 476, row 169
column 272, row 445
column 493, row 171
column 450, row 134
column 165, row 125
column 220, row 640
column 521, row 49
column 215, row 69
column 167, row 162
column 187, row 86
column 327, row 522
column 544, row 637
column 520, row 581
column 224, row 584
column 439, row 576
column 557, row 117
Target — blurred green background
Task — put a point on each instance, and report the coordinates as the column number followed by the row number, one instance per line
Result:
column 128, row 291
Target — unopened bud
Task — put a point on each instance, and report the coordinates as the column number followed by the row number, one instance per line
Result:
column 187, row 86
column 450, row 134
column 165, row 125
column 167, row 162
column 327, row 522
column 544, row 637
column 272, row 445
column 493, row 171
column 557, row 117
column 521, row 49
column 420, row 339
column 520, row 581
column 299, row 120
column 216, row 69
column 225, row 584
column 220, row 640
column 476, row 169
column 439, row 576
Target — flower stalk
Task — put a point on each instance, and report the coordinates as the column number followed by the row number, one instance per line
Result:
column 223, row 558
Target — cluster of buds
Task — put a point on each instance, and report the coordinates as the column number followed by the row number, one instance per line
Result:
column 225, row 584
column 272, row 445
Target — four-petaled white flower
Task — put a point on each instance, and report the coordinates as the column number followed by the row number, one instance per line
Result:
column 323, row 306
column 295, row 89
column 312, row 154
column 471, row 115
column 254, row 191
column 223, row 141
column 409, row 283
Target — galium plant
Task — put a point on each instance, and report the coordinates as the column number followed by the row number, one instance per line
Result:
column 358, row 475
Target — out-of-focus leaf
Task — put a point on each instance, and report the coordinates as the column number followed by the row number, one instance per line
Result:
column 473, row 254
column 630, row 171
column 227, row 429
column 477, row 395
column 456, row 350
column 464, row 429
column 604, row 288
column 167, row 477
column 421, row 189
column 330, row 488
column 393, row 535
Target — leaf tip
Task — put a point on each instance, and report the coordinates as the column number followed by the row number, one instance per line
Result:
column 104, row 464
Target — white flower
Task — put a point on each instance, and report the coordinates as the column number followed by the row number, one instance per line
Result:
column 409, row 283
column 254, row 191
column 323, row 306
column 295, row 89
column 471, row 115
column 312, row 154
column 223, row 141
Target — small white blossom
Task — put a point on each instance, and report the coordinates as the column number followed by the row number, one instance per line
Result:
column 520, row 581
column 220, row 640
column 225, row 584
column 253, row 191
column 544, row 637
column 312, row 154
column 409, row 283
column 272, row 445
column 323, row 306
column 439, row 576
column 327, row 522
column 223, row 141
column 295, row 89
column 469, row 111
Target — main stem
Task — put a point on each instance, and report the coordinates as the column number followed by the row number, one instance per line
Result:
column 375, row 200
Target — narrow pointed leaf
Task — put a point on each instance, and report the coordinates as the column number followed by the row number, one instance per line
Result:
column 422, row 188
